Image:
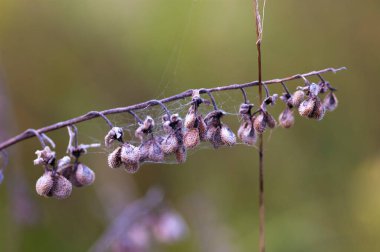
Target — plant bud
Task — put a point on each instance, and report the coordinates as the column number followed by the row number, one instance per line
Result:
column 62, row 188
column 227, row 136
column 114, row 158
column 260, row 123
column 286, row 118
column 181, row 154
column 297, row 98
column 191, row 138
column 83, row 175
column 330, row 102
column 116, row 133
column 129, row 154
column 306, row 108
column 45, row 184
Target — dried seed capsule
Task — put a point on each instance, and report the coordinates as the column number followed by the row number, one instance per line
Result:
column 83, row 175
column 170, row 144
column 45, row 184
column 132, row 167
column 271, row 122
column 319, row 110
column 260, row 123
column 190, row 118
column 246, row 133
column 63, row 162
column 114, row 158
column 306, row 108
column 144, row 151
column 214, row 136
column 297, row 98
column 62, row 188
column 191, row 138
column 330, row 102
column 129, row 154
column 155, row 152
column 202, row 128
column 227, row 136
column 116, row 133
column 286, row 118
column 181, row 154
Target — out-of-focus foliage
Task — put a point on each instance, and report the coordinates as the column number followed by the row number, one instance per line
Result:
column 60, row 59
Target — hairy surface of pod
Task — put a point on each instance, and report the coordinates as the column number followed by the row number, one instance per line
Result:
column 62, row 188
column 190, row 118
column 246, row 133
column 129, row 154
column 191, row 138
column 286, row 118
column 330, row 102
column 44, row 184
column 170, row 144
column 271, row 122
column 83, row 175
column 319, row 110
column 297, row 98
column 214, row 136
column 116, row 133
column 144, row 151
column 259, row 123
column 202, row 128
column 306, row 108
column 180, row 154
column 114, row 158
column 132, row 167
column 227, row 136
column 155, row 152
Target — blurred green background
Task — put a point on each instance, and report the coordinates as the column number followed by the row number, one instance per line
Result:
column 60, row 59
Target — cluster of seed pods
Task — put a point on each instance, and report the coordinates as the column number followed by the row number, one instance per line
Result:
column 60, row 175
column 181, row 135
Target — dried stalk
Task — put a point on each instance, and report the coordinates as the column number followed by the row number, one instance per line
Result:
column 91, row 115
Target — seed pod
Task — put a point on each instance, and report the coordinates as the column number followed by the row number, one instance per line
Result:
column 330, row 102
column 63, row 162
column 297, row 98
column 319, row 110
column 190, row 118
column 286, row 118
column 213, row 134
column 191, row 138
column 116, row 133
column 144, row 151
column 271, row 122
column 170, row 144
column 132, row 167
column 246, row 133
column 129, row 154
column 227, row 136
column 83, row 176
column 45, row 184
column 144, row 128
column 202, row 128
column 306, row 108
column 114, row 158
column 155, row 152
column 62, row 188
column 260, row 123
column 181, row 154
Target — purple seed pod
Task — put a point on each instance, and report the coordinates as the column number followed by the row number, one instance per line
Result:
column 181, row 154
column 259, row 123
column 44, row 184
column 330, row 102
column 62, row 187
column 191, row 138
column 114, row 158
column 129, row 154
column 297, row 98
column 286, row 118
column 227, row 136
column 83, row 175
column 306, row 107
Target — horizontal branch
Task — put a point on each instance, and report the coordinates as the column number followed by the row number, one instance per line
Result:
column 91, row 115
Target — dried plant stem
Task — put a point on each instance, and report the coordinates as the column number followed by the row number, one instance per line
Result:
column 259, row 34
column 89, row 116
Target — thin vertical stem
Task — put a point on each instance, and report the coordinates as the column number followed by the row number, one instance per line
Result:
column 261, row 142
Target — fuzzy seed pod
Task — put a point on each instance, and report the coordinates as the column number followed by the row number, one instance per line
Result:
column 129, row 154
column 83, row 176
column 45, row 184
column 116, row 133
column 114, row 158
column 190, row 118
column 227, row 136
column 246, row 133
column 202, row 128
column 145, row 128
column 63, row 162
column 170, row 144
column 286, row 118
column 330, row 102
column 62, row 188
column 132, row 167
column 181, row 154
column 319, row 110
column 144, row 151
column 191, row 138
column 259, row 123
column 155, row 152
column 306, row 108
column 45, row 156
column 297, row 98
column 213, row 134
column 271, row 122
